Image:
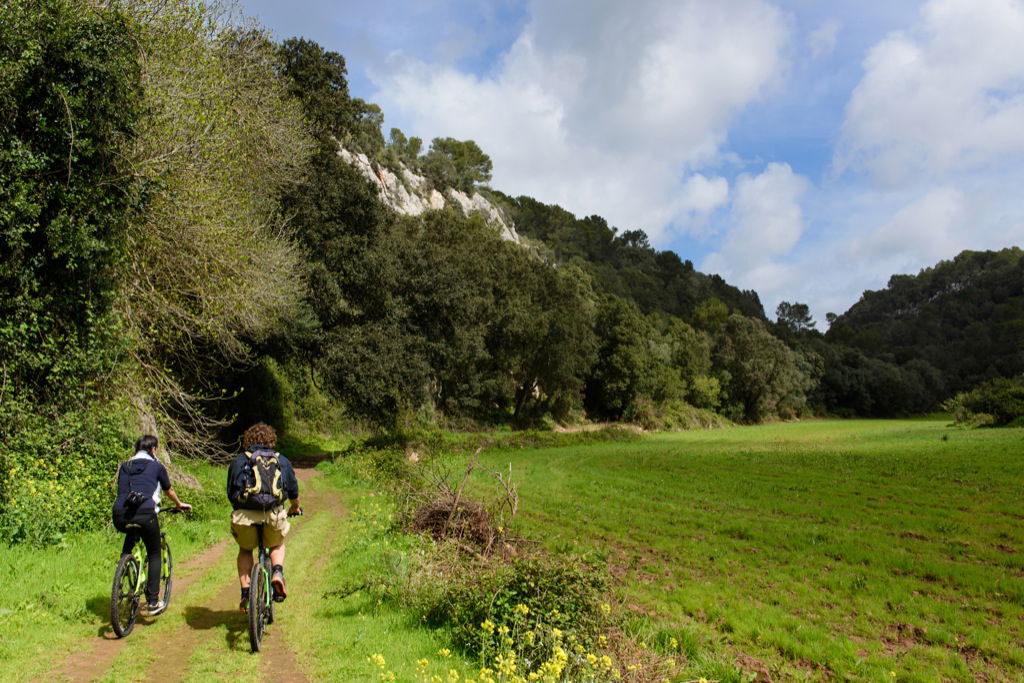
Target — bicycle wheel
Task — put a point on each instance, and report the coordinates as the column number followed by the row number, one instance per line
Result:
column 165, row 571
column 125, row 595
column 257, row 606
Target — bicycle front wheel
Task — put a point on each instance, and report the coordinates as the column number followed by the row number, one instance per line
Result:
column 258, row 600
column 125, row 595
column 165, row 571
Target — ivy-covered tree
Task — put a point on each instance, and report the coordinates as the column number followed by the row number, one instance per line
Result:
column 70, row 106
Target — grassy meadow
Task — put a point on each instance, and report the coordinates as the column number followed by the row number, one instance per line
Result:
column 877, row 550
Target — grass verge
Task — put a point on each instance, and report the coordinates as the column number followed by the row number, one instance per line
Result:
column 56, row 599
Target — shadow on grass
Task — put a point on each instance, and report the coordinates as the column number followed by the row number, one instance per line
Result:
column 235, row 623
column 99, row 606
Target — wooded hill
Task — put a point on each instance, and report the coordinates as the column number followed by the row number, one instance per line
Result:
column 183, row 250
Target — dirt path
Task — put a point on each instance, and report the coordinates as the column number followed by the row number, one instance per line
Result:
column 92, row 662
column 204, row 624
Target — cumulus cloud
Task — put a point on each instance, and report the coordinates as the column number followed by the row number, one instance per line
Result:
column 924, row 231
column 946, row 95
column 603, row 107
column 822, row 40
column 765, row 222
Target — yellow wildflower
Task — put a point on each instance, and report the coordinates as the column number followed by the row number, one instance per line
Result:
column 377, row 659
column 488, row 626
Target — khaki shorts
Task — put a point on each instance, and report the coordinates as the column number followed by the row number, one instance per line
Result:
column 275, row 527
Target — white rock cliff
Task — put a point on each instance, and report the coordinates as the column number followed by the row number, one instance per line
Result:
column 409, row 195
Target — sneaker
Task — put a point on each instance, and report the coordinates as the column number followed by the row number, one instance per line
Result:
column 155, row 608
column 277, row 583
column 244, row 604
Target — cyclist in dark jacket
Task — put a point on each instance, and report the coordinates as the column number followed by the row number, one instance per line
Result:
column 140, row 482
column 260, row 440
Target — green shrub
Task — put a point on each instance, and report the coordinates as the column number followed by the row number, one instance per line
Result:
column 997, row 402
column 537, row 594
column 57, row 472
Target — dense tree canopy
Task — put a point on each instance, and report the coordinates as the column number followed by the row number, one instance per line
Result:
column 963, row 317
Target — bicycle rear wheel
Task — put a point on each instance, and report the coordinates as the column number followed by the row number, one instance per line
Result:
column 125, row 595
column 165, row 571
column 257, row 605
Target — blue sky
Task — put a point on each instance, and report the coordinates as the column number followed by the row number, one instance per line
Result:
column 801, row 148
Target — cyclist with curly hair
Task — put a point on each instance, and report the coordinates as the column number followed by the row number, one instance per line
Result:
column 260, row 480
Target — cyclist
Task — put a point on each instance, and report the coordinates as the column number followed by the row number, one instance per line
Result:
column 140, row 481
column 259, row 481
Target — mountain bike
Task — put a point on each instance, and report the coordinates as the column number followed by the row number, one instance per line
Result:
column 130, row 582
column 261, row 598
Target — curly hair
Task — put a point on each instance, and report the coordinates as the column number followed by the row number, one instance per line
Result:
column 259, row 434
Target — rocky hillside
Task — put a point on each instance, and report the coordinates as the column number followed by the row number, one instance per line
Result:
column 412, row 194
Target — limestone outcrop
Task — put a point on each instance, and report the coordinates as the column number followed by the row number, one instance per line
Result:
column 412, row 195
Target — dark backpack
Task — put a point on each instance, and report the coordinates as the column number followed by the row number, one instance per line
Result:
column 125, row 507
column 257, row 484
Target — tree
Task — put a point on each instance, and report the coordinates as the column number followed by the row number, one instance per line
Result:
column 316, row 77
column 455, row 163
column 625, row 367
column 765, row 378
column 795, row 317
column 407, row 150
column 211, row 271
column 70, row 107
column 543, row 334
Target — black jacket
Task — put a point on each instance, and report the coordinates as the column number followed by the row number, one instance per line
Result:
column 145, row 474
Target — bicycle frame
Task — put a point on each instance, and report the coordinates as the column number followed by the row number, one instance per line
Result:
column 263, row 558
column 139, row 553
column 128, row 588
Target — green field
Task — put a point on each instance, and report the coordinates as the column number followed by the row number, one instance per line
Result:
column 860, row 549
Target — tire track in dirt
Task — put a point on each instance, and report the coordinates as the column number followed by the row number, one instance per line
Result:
column 92, row 662
column 277, row 659
column 280, row 663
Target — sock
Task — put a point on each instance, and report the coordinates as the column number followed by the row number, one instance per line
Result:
column 278, row 568
column 245, row 593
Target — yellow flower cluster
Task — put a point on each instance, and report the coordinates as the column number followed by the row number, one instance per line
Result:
column 508, row 655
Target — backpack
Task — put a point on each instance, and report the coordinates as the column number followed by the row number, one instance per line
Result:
column 129, row 505
column 257, row 484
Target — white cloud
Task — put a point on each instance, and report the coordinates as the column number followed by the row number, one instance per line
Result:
column 944, row 96
column 766, row 221
column 698, row 198
column 601, row 107
column 822, row 40
column 923, row 231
